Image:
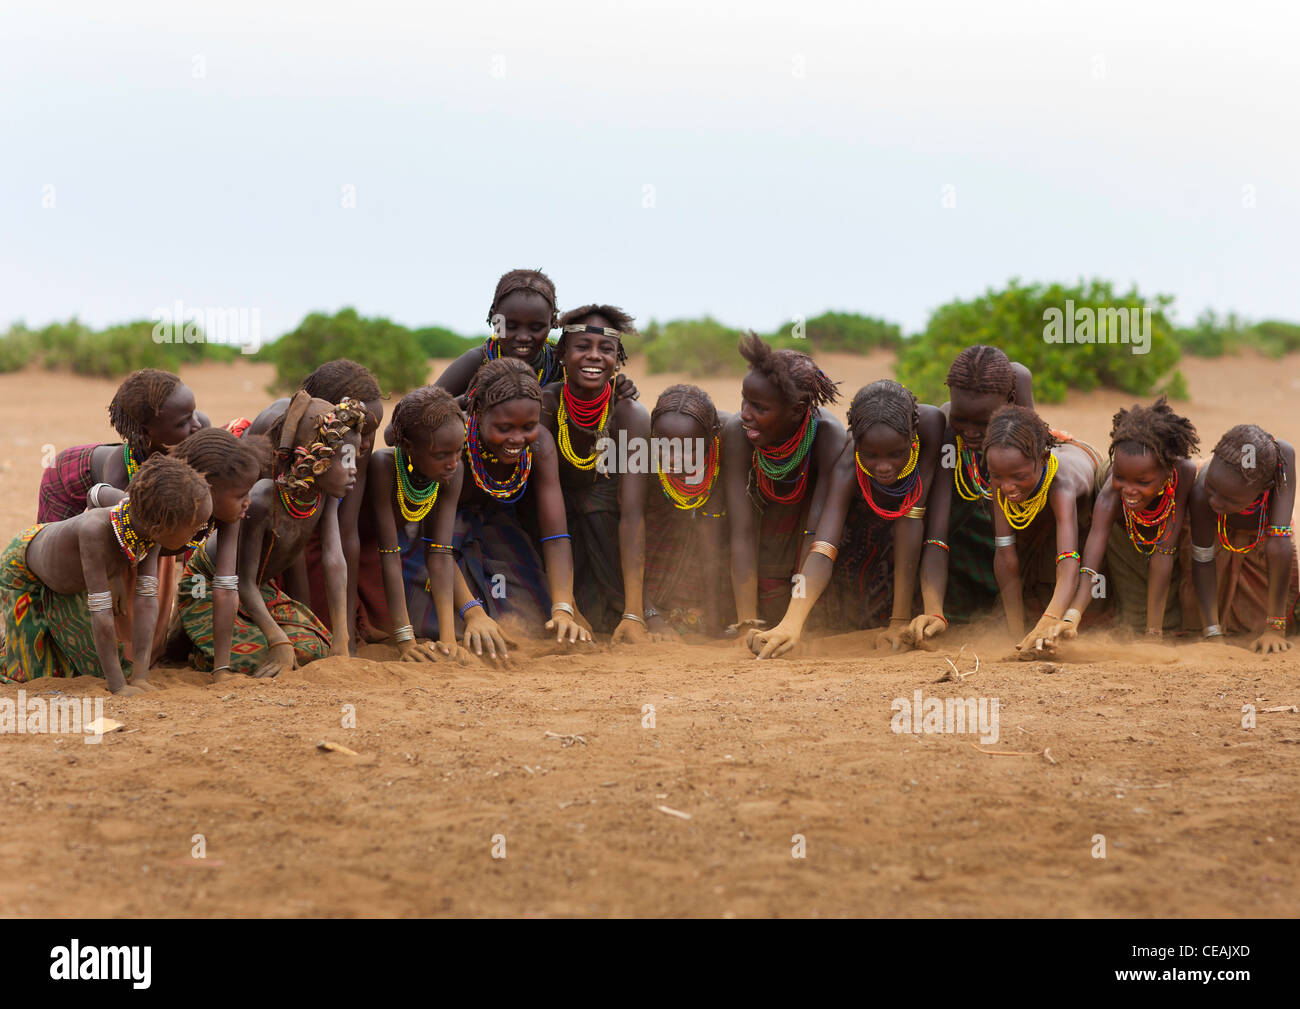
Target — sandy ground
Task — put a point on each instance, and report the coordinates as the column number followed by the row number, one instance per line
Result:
column 454, row 764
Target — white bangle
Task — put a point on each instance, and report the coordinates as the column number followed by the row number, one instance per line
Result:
column 1203, row 554
column 99, row 601
column 92, row 495
column 146, row 585
column 633, row 616
column 1004, row 541
column 561, row 606
column 1213, row 631
column 404, row 633
column 225, row 582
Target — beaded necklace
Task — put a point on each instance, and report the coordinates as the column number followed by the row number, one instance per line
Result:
column 971, row 484
column 686, row 496
column 1020, row 515
column 298, row 509
column 128, row 457
column 1260, row 506
column 201, row 536
column 776, row 464
column 906, row 489
column 415, row 502
column 512, row 488
column 588, row 414
column 1157, row 514
column 132, row 543
column 549, row 370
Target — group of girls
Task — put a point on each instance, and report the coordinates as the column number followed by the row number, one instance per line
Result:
column 494, row 513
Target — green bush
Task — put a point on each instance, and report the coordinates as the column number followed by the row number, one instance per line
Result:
column 1212, row 336
column 110, row 353
column 15, row 348
column 1016, row 320
column 1275, row 338
column 390, row 351
column 436, row 341
column 699, row 347
column 839, row 331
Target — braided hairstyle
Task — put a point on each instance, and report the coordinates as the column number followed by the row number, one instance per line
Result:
column 420, row 413
column 223, row 458
column 500, row 381
column 1020, row 428
column 308, row 458
column 691, row 401
column 1269, row 469
column 982, row 370
column 165, row 493
column 138, row 400
column 618, row 319
column 1155, row 429
column 884, row 402
column 796, row 377
column 525, row 280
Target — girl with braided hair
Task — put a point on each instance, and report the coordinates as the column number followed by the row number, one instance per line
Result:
column 60, row 581
column 605, row 508
column 1137, row 522
column 335, row 381
column 686, row 569
column 1043, row 489
column 152, row 410
column 980, row 380
column 778, row 452
column 1244, row 571
column 873, row 522
column 411, row 500
column 522, row 314
column 512, row 483
column 315, row 468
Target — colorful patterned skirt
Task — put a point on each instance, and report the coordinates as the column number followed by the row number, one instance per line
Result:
column 1241, row 585
column 248, row 648
column 65, row 484
column 502, row 566
column 972, row 589
column 46, row 634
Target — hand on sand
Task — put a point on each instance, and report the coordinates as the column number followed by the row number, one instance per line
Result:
column 413, row 651
column 926, row 626
column 1271, row 642
column 898, row 635
column 1042, row 639
column 568, row 629
column 629, row 632
column 282, row 658
column 484, row 633
column 774, row 643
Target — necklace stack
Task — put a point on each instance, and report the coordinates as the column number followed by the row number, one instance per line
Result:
column 1261, row 507
column 132, row 543
column 128, row 458
column 201, row 536
column 1157, row 514
column 774, row 465
column 1020, row 515
column 548, row 370
column 686, row 496
column 508, row 490
column 906, row 490
column 298, row 509
column 415, row 502
column 971, row 484
column 587, row 414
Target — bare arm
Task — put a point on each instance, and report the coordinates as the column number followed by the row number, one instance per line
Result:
column 336, row 576
column 94, row 564
column 225, row 602
column 737, row 458
column 144, row 615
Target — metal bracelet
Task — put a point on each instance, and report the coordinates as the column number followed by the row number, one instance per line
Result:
column 1004, row 541
column 99, row 601
column 1203, row 554
column 92, row 495
column 633, row 616
column 1213, row 631
column 146, row 585
column 225, row 582
column 404, row 633
column 565, row 607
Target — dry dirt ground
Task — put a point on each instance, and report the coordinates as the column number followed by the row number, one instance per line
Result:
column 454, row 764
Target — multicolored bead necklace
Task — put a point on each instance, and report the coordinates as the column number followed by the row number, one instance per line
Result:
column 128, row 457
column 512, row 488
column 776, row 464
column 298, row 509
column 906, row 489
column 1261, row 507
column 201, row 536
column 132, row 543
column 1157, row 514
column 1020, row 515
column 971, row 484
column 587, row 414
column 688, row 496
column 415, row 502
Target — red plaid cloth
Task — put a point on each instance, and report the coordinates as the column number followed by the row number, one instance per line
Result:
column 64, row 485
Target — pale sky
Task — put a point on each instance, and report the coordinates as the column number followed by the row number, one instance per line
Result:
column 796, row 155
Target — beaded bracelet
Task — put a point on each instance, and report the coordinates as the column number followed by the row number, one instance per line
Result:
column 437, row 548
column 470, row 605
column 226, row 582
column 1085, row 570
column 1167, row 551
column 557, row 536
column 710, row 515
column 1067, row 555
column 937, row 543
column 388, row 550
column 1279, row 530
column 1277, row 623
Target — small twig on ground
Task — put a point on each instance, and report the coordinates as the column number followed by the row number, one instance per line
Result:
column 674, row 812
column 1007, row 753
column 565, row 738
column 954, row 674
column 1047, row 752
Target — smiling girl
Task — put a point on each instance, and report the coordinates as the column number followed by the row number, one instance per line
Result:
column 873, row 521
column 778, row 452
column 1138, row 520
column 315, row 467
column 1044, row 489
column 605, row 508
column 1241, row 508
column 412, row 495
column 513, row 476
